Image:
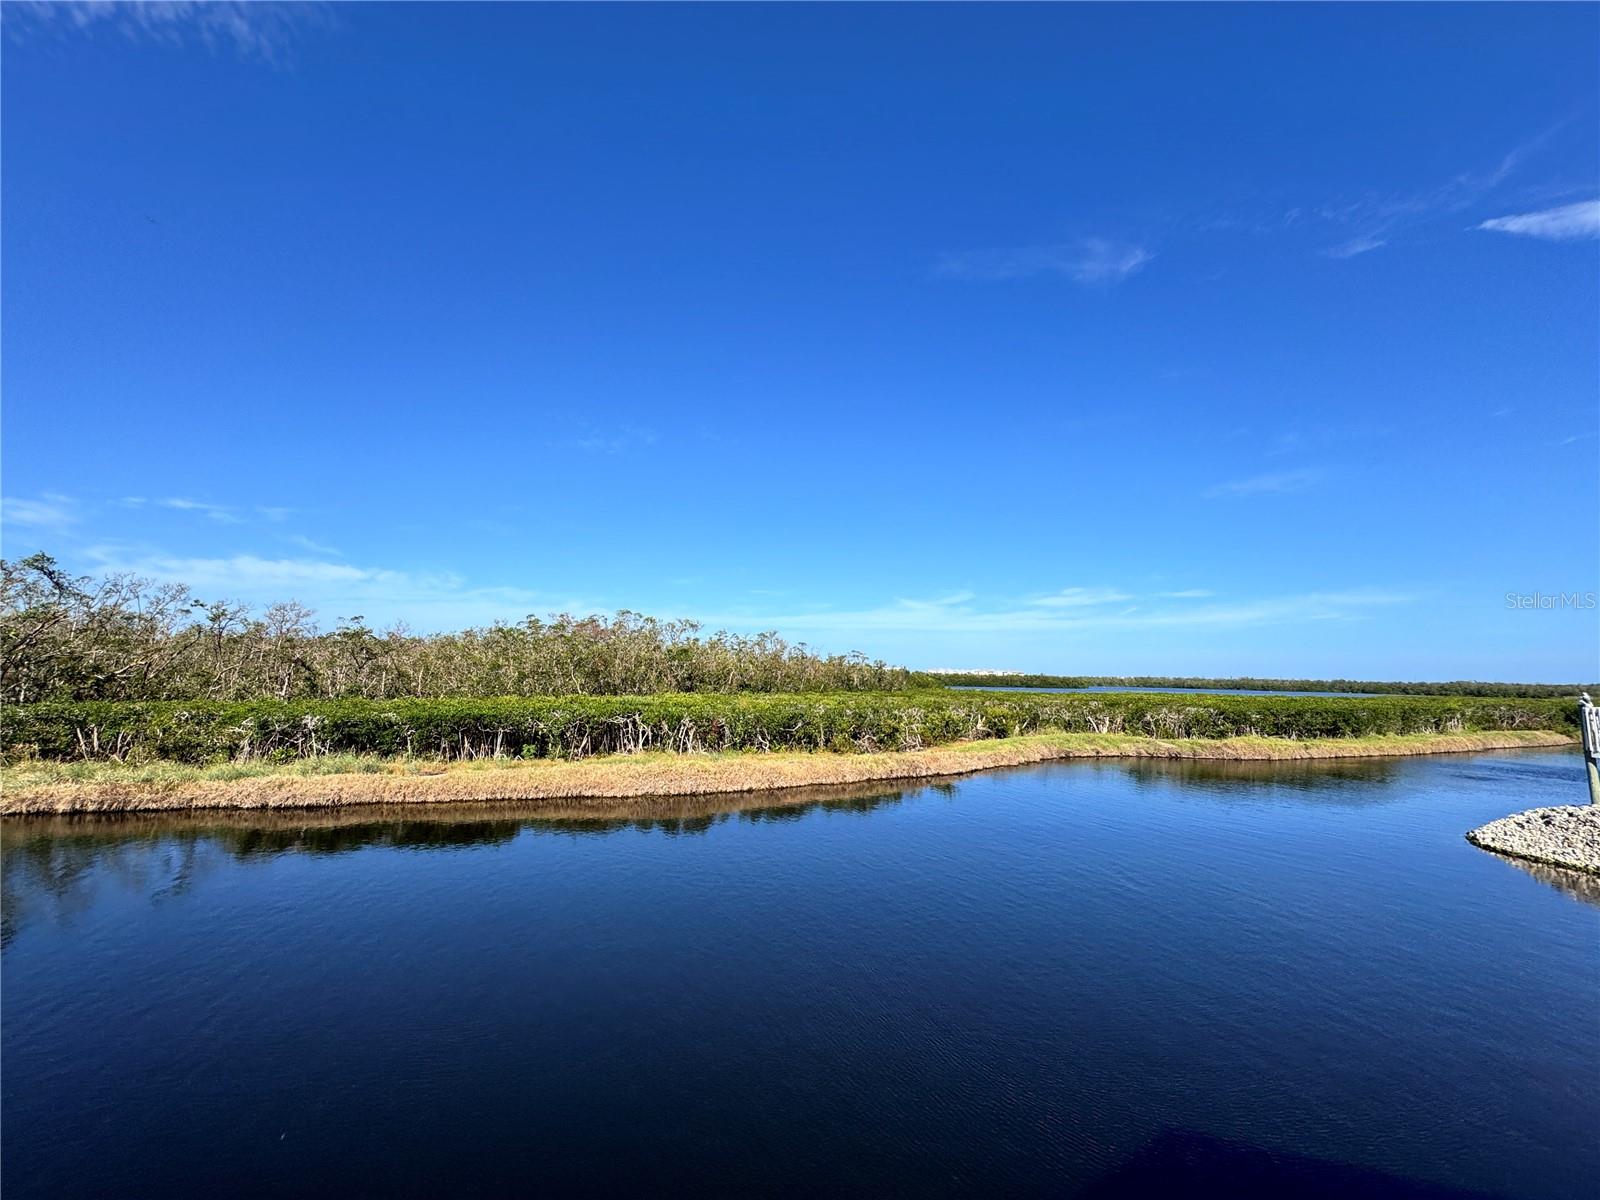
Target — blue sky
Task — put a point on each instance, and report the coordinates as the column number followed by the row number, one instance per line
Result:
column 1252, row 339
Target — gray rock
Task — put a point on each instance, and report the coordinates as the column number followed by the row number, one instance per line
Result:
column 1567, row 837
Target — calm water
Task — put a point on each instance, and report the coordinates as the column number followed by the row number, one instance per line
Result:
column 1075, row 979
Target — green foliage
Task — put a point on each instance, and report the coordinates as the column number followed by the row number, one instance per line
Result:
column 1370, row 686
column 579, row 726
column 122, row 638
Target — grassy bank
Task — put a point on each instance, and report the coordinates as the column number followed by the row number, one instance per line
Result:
column 338, row 781
column 454, row 823
column 577, row 727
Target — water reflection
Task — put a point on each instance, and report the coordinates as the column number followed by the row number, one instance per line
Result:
column 1348, row 780
column 1580, row 885
column 863, row 990
column 55, row 862
column 48, row 847
column 41, row 872
column 333, row 831
column 1356, row 781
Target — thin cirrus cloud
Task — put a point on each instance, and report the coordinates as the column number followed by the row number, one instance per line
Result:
column 261, row 31
column 624, row 439
column 57, row 512
column 314, row 546
column 54, row 511
column 1081, row 597
column 426, row 600
column 444, row 600
column 1355, row 246
column 1260, row 485
column 223, row 514
column 1570, row 222
column 51, row 511
column 1089, row 261
column 958, row 614
column 220, row 513
column 1372, row 220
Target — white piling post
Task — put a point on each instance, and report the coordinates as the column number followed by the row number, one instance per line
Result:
column 1589, row 725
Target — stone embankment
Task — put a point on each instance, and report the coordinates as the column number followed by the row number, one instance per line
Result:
column 1568, row 836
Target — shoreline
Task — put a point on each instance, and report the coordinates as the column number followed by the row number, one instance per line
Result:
column 654, row 776
column 1566, row 836
column 591, row 812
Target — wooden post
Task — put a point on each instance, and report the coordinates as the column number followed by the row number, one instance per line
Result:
column 1589, row 724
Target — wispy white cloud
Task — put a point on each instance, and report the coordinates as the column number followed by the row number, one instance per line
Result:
column 432, row 600
column 220, row 513
column 1081, row 597
column 250, row 570
column 1355, row 246
column 257, row 30
column 212, row 512
column 315, row 547
column 1358, row 223
column 959, row 615
column 426, row 600
column 51, row 511
column 1087, row 261
column 622, row 439
column 1288, row 441
column 1256, row 485
column 1570, row 222
column 223, row 514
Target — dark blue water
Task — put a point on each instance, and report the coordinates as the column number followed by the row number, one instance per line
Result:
column 1067, row 980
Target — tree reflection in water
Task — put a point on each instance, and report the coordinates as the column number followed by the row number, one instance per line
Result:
column 55, row 863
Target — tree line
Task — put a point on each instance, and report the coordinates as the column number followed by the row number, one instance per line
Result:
column 573, row 727
column 124, row 638
column 71, row 638
column 1372, row 687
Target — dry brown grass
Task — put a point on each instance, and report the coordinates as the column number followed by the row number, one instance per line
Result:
column 588, row 810
column 664, row 775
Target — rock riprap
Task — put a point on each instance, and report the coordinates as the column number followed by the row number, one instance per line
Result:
column 1568, row 836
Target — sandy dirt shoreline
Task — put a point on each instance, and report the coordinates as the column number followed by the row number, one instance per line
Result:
column 655, row 776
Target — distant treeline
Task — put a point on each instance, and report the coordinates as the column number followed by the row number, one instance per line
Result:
column 1460, row 687
column 123, row 638
column 120, row 638
column 579, row 726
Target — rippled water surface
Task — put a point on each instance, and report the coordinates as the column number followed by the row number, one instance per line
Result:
column 1076, row 979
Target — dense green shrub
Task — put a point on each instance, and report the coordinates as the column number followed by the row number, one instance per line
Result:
column 1460, row 687
column 578, row 726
